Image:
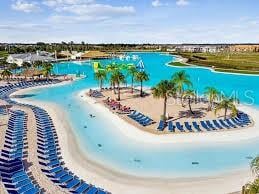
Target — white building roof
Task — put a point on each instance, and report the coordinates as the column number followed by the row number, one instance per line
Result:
column 29, row 57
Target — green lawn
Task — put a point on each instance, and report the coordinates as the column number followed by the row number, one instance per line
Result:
column 233, row 61
column 3, row 54
column 237, row 71
column 178, row 64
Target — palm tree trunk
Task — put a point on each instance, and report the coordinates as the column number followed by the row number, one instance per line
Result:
column 119, row 92
column 181, row 94
column 141, row 90
column 225, row 115
column 101, row 85
column 209, row 107
column 132, row 80
column 190, row 107
column 113, row 85
column 164, row 113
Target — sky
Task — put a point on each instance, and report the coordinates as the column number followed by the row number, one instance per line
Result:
column 130, row 21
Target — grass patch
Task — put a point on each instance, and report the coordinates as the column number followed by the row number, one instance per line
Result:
column 237, row 71
column 178, row 64
column 3, row 54
column 233, row 62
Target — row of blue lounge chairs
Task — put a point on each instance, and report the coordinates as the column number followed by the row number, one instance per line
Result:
column 140, row 118
column 10, row 88
column 51, row 160
column 242, row 120
column 49, row 151
column 12, row 169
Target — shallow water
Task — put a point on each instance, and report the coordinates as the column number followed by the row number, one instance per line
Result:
column 112, row 149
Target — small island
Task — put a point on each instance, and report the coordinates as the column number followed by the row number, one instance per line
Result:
column 171, row 106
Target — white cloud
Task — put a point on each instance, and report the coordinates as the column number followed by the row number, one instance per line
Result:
column 182, row 2
column 96, row 9
column 25, row 6
column 158, row 3
column 85, row 10
column 53, row 3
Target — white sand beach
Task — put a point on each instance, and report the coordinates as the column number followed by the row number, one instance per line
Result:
column 78, row 162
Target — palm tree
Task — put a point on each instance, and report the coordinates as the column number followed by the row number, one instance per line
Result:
column 47, row 68
column 117, row 78
column 132, row 71
column 251, row 188
column 164, row 90
column 6, row 74
column 13, row 66
column 26, row 65
column 226, row 104
column 141, row 76
column 189, row 94
column 111, row 68
column 100, row 75
column 255, row 165
column 38, row 64
column 212, row 94
column 181, row 79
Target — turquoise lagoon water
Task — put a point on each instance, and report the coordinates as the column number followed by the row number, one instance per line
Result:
column 128, row 156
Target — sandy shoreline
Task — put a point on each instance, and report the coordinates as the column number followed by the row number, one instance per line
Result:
column 116, row 182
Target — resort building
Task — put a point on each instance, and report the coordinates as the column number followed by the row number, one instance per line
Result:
column 19, row 59
column 64, row 54
column 199, row 48
column 244, row 48
column 95, row 55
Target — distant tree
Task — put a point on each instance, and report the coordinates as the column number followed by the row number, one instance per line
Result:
column 13, row 66
column 26, row 65
column 6, row 74
column 38, row 64
column 47, row 69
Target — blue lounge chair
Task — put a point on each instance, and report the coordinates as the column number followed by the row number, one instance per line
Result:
column 92, row 190
column 215, row 122
column 179, row 126
column 196, row 126
column 188, row 126
column 26, row 188
column 230, row 123
column 147, row 122
column 210, row 125
column 73, row 183
column 65, row 179
column 161, row 125
column 81, row 188
column 101, row 192
column 224, row 124
column 204, row 125
column 171, row 127
column 237, row 123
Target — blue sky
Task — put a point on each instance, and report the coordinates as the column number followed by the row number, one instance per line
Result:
column 130, row 21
